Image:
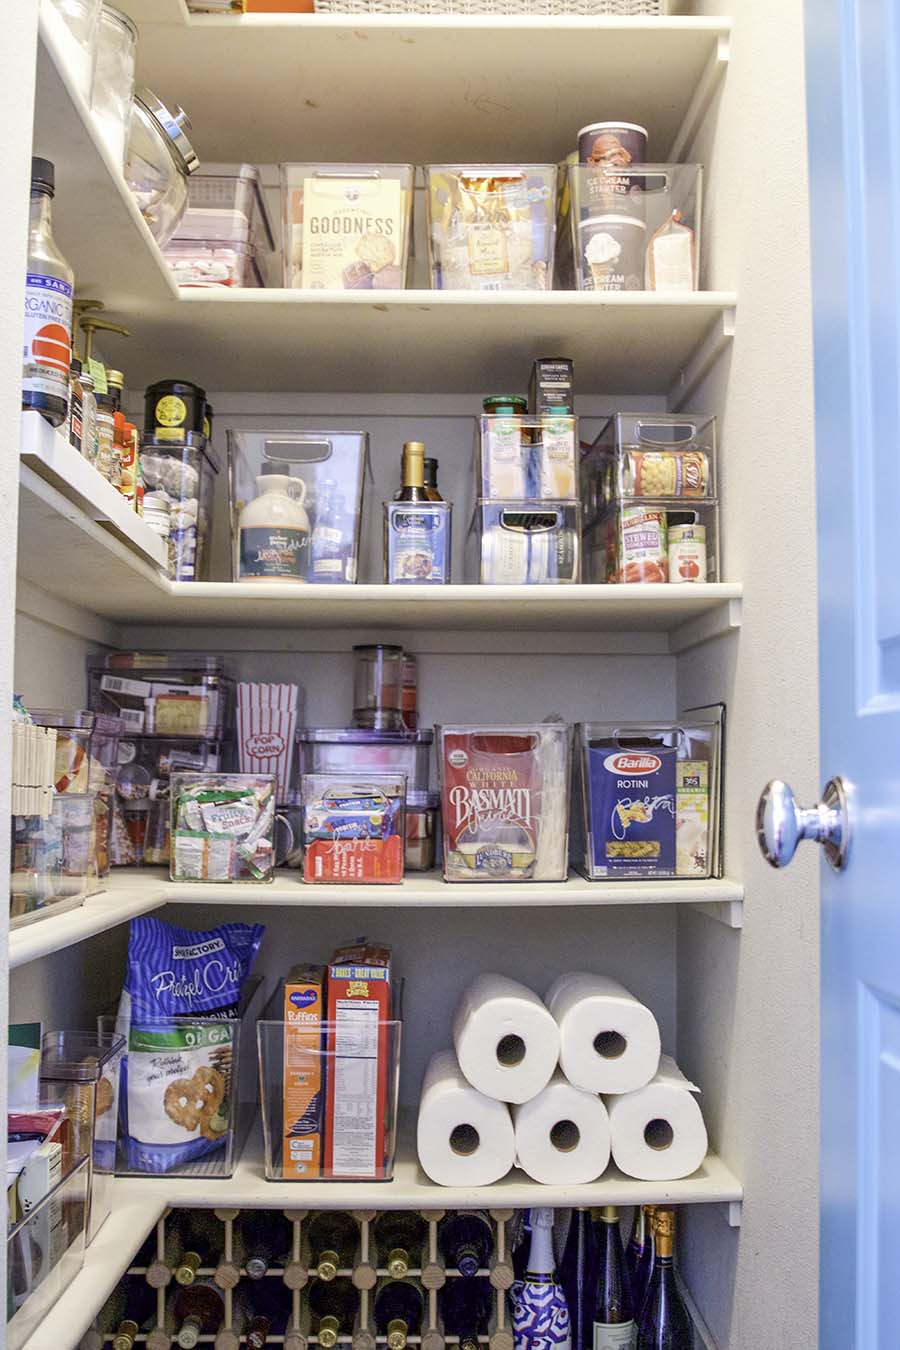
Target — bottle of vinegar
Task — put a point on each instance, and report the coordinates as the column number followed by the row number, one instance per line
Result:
column 665, row 1323
column 49, row 284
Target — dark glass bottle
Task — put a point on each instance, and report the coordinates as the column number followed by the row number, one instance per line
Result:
column 465, row 1241
column 399, row 1241
column 664, row 1323
column 129, row 1312
column 261, row 1311
column 198, row 1310
column 413, row 473
column 578, row 1277
column 644, row 1267
column 332, row 1307
column 398, row 1312
column 332, row 1237
column 201, row 1245
column 431, row 487
column 466, row 1307
column 636, row 1244
column 264, row 1238
column 614, row 1326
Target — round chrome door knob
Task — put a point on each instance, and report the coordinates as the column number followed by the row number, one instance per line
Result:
column 781, row 824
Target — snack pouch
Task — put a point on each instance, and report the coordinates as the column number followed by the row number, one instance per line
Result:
column 178, row 1014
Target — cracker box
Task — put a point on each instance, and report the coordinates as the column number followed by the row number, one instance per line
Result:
column 304, row 1072
column 359, row 1006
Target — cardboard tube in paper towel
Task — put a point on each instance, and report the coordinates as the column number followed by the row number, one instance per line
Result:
column 506, row 1041
column 464, row 1138
column 609, row 1041
column 658, row 1133
column 562, row 1134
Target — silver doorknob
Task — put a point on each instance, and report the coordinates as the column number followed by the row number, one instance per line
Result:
column 781, row 824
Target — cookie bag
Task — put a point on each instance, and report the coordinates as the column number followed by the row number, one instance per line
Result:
column 181, row 1011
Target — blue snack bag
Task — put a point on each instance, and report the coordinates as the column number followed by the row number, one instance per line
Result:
column 177, row 1013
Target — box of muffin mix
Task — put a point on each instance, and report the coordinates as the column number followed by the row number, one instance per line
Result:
column 359, row 1006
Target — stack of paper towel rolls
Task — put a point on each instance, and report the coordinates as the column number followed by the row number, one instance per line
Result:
column 556, row 1085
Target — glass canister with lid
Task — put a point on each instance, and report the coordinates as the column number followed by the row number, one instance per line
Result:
column 159, row 161
column 112, row 88
column 75, row 31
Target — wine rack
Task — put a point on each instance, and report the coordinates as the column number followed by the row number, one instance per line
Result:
column 296, row 1275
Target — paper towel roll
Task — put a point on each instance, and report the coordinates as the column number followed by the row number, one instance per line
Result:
column 658, row 1132
column 506, row 1041
column 608, row 1039
column 562, row 1134
column 463, row 1137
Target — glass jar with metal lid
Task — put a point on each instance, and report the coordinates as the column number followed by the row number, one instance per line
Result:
column 159, row 161
column 112, row 88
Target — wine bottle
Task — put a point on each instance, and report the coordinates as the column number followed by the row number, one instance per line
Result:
column 465, row 1241
column 263, row 1238
column 431, row 486
column 201, row 1245
column 522, row 1246
column 636, row 1244
column 578, row 1277
column 614, row 1327
column 413, row 473
column 398, row 1312
column 129, row 1312
column 332, row 1243
column 261, row 1311
column 645, row 1265
column 198, row 1310
column 664, row 1323
column 540, row 1312
column 332, row 1308
column 399, row 1241
column 466, row 1307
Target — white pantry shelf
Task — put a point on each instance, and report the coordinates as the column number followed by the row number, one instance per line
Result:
column 99, row 913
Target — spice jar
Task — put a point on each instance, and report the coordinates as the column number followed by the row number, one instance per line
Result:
column 113, row 84
column 106, row 430
column 159, row 161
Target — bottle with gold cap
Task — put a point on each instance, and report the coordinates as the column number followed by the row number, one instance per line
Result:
column 416, row 528
column 333, row 1238
column 332, row 1308
column 400, row 1239
column 398, row 1312
column 664, row 1323
column 614, row 1327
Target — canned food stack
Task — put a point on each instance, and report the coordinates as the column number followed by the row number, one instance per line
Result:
column 649, row 498
column 526, row 528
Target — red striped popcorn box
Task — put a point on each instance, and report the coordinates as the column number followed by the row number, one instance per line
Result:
column 267, row 723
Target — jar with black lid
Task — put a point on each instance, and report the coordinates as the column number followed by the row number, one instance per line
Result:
column 172, row 408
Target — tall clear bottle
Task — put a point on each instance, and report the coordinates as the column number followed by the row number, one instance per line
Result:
column 49, row 284
column 614, row 1327
column 540, row 1312
column 665, row 1323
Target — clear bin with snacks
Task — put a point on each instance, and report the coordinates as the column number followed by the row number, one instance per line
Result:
column 223, row 827
column 347, row 226
column 171, row 696
column 646, row 799
column 354, row 828
column 74, row 730
column 225, row 237
column 491, row 227
column 516, row 543
column 527, row 458
column 45, row 1252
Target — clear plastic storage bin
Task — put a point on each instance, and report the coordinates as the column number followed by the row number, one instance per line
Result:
column 515, row 543
column 223, row 827
column 646, row 799
column 74, row 730
column 653, row 541
column 347, row 226
column 53, row 859
column 357, row 750
column 527, row 458
column 169, row 696
column 184, row 474
column 80, row 1072
column 491, row 227
column 147, row 762
column 649, row 456
column 300, row 1068
column 354, row 828
column 332, row 465
column 213, row 262
column 634, row 227
column 225, row 237
column 44, row 1253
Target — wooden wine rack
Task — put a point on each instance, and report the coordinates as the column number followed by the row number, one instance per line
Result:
column 296, row 1275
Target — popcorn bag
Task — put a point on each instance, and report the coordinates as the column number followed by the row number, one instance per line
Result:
column 267, row 723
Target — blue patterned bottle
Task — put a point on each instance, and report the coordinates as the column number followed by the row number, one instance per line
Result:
column 540, row 1312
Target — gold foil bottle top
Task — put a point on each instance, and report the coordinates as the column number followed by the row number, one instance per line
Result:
column 328, row 1332
column 609, row 1214
column 186, row 1272
column 664, row 1231
column 398, row 1263
column 126, row 1335
column 329, row 1263
column 396, row 1334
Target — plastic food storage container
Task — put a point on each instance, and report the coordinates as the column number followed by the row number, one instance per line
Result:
column 305, row 1139
column 347, row 226
column 515, row 543
column 354, row 830
column 223, row 827
column 527, row 458
column 491, row 227
column 74, row 24
column 646, row 799
column 44, row 1253
column 74, row 730
column 332, row 465
column 112, row 88
column 634, row 227
column 53, row 859
column 213, row 262
column 225, row 237
column 378, row 687
column 649, row 456
column 183, row 473
column 505, row 801
column 147, row 762
column 653, row 541
column 422, row 817
column 159, row 160
column 80, row 1072
column 168, row 695
column 356, row 750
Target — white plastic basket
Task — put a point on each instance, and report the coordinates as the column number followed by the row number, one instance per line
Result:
column 616, row 8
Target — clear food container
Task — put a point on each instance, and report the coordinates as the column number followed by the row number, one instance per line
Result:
column 491, row 227
column 422, row 832
column 147, row 762
column 378, row 687
column 184, row 474
column 654, row 541
column 223, row 827
column 646, row 799
column 44, row 1253
column 333, row 467
column 74, row 24
column 53, row 859
column 104, row 761
column 80, row 1072
column 302, row 1068
column 516, row 543
column 634, row 227
column 358, row 750
column 354, row 830
column 649, row 456
column 166, row 695
column 112, row 88
column 213, row 262
column 225, row 235
column 347, row 226
column 527, row 458
column 158, row 163
column 74, row 730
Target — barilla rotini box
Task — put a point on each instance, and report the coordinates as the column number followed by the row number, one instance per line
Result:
column 304, row 1076
column 359, row 1004
column 632, row 809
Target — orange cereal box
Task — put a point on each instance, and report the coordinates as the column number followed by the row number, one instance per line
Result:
column 304, row 1072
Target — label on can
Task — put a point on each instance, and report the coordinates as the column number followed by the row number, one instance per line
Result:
column 48, row 335
column 687, row 553
column 636, row 545
column 418, row 543
column 611, row 250
column 504, row 557
column 272, row 554
column 505, row 452
column 171, row 411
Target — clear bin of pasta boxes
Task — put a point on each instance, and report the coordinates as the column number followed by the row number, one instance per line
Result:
column 522, row 458
column 649, row 495
column 347, row 226
column 171, row 695
column 524, row 543
column 505, row 801
column 491, row 227
column 634, row 227
column 646, row 799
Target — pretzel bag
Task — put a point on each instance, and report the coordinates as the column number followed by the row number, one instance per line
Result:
column 178, row 1013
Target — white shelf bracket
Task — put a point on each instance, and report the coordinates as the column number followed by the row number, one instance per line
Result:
column 718, row 338
column 727, row 912
column 716, row 623
column 710, row 80
column 733, row 1212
